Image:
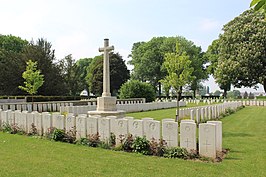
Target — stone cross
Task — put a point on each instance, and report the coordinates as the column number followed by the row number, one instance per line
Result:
column 106, row 70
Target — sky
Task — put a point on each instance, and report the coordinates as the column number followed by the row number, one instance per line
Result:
column 78, row 27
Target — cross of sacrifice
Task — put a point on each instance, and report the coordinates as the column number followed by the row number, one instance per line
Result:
column 106, row 69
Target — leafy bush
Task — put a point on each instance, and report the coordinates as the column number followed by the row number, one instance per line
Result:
column 157, row 149
column 141, row 145
column 128, row 143
column 82, row 141
column 94, row 140
column 70, row 136
column 33, row 130
column 58, row 135
column 229, row 111
column 137, row 89
column 176, row 152
column 112, row 139
column 12, row 129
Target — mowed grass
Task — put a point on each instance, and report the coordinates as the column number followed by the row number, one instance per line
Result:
column 161, row 114
column 243, row 132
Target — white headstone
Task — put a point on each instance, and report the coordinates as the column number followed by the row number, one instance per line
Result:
column 92, row 125
column 145, row 120
column 30, row 122
column 219, row 135
column 17, row 117
column 136, row 128
column 170, row 133
column 58, row 121
column 47, row 122
column 112, row 123
column 38, row 123
column 209, row 113
column 188, row 135
column 121, row 130
column 22, row 123
column 192, row 114
column 10, row 117
column 81, row 131
column 198, row 116
column 104, row 129
column 70, row 122
column 153, row 130
column 207, row 140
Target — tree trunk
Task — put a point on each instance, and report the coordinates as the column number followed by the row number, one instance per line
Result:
column 178, row 98
column 177, row 107
column 225, row 93
column 264, row 85
column 194, row 93
column 160, row 90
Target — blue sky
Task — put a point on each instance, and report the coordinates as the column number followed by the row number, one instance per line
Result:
column 78, row 27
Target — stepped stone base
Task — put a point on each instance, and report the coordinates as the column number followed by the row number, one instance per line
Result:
column 118, row 113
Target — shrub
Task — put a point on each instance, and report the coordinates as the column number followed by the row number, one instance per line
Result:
column 82, row 141
column 176, row 152
column 157, row 149
column 141, row 145
column 94, row 140
column 58, row 135
column 70, row 136
column 112, row 139
column 12, row 129
column 137, row 89
column 128, row 143
column 33, row 130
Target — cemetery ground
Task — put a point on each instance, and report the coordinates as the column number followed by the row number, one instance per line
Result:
column 243, row 133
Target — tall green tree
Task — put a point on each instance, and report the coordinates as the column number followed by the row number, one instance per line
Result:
column 42, row 52
column 178, row 67
column 69, row 72
column 82, row 70
column 242, row 51
column 148, row 57
column 119, row 74
column 33, row 78
column 12, row 64
column 212, row 55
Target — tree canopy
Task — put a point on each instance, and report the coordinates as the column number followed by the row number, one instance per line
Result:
column 242, row 51
column 119, row 74
column 33, row 78
column 148, row 58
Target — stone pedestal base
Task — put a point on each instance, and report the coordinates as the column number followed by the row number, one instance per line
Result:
column 106, row 104
column 119, row 113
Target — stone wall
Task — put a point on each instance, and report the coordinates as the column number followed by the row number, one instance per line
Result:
column 210, row 133
column 138, row 107
column 54, row 106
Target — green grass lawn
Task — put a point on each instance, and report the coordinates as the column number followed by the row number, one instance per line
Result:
column 243, row 132
column 163, row 113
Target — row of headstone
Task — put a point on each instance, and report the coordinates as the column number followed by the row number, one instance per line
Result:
column 254, row 102
column 210, row 133
column 40, row 107
column 125, row 107
column 207, row 101
column 204, row 113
